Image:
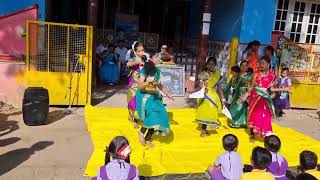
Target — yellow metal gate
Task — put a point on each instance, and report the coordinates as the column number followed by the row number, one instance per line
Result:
column 58, row 58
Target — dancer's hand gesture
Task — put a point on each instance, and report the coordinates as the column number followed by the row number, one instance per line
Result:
column 141, row 63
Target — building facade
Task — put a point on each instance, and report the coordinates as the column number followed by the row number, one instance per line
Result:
column 298, row 20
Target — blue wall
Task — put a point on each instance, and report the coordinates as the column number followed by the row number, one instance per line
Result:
column 10, row 6
column 246, row 19
column 226, row 21
column 194, row 18
column 257, row 22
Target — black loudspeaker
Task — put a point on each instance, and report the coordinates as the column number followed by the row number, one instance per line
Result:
column 35, row 106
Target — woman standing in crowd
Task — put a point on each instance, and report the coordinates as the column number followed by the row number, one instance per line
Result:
column 210, row 106
column 135, row 63
column 238, row 108
column 250, row 54
column 149, row 102
column 109, row 71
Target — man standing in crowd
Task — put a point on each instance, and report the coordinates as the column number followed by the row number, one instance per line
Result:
column 121, row 52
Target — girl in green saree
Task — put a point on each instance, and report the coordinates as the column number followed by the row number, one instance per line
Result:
column 238, row 108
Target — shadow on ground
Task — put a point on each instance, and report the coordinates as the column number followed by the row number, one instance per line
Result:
column 104, row 92
column 8, row 126
column 12, row 159
column 56, row 115
column 8, row 141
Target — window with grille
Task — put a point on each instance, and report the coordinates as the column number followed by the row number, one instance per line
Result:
column 297, row 21
column 313, row 23
column 281, row 16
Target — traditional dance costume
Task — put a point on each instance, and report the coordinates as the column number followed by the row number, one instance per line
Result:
column 210, row 106
column 150, row 107
column 237, row 108
column 133, row 86
column 261, row 109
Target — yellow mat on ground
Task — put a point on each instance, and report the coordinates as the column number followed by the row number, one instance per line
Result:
column 183, row 151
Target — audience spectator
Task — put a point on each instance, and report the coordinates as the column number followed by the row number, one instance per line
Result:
column 229, row 164
column 308, row 163
column 305, row 176
column 163, row 55
column 121, row 53
column 269, row 51
column 119, row 167
column 260, row 158
column 279, row 165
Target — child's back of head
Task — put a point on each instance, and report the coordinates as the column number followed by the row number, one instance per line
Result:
column 305, row 176
column 118, row 148
column 230, row 142
column 308, row 160
column 272, row 143
column 260, row 158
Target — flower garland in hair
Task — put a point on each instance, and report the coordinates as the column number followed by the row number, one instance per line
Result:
column 132, row 47
column 124, row 151
column 208, row 58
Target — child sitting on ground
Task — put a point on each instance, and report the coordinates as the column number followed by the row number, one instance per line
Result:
column 305, row 176
column 260, row 158
column 308, row 163
column 229, row 164
column 279, row 165
column 119, row 167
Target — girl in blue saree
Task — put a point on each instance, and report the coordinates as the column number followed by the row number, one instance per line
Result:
column 149, row 102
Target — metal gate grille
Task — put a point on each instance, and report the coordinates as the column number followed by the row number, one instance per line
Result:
column 56, row 47
column 59, row 58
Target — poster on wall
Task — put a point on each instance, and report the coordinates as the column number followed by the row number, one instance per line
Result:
column 126, row 28
column 172, row 77
column 301, row 60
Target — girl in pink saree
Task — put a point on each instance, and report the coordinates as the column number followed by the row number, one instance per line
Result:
column 135, row 63
column 261, row 109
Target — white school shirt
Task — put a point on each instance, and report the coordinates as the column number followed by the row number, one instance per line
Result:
column 122, row 52
column 231, row 165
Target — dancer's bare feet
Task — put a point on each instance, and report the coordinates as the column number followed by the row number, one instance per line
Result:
column 252, row 138
column 150, row 144
column 141, row 138
column 135, row 125
column 130, row 119
column 204, row 133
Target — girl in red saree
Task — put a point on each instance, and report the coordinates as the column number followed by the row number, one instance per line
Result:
column 261, row 109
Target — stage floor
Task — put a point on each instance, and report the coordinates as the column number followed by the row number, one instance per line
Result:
column 183, row 151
